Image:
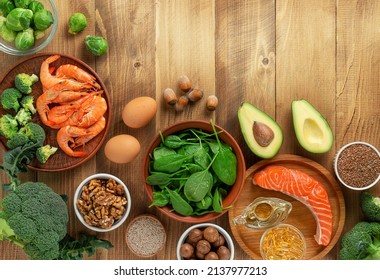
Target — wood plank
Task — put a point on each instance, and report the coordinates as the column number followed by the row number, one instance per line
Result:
column 185, row 45
column 128, row 70
column 358, row 86
column 245, row 66
column 305, row 67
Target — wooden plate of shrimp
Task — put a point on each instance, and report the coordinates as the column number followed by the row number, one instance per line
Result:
column 73, row 107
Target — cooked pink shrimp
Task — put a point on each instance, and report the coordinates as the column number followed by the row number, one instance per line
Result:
column 66, row 135
column 48, row 80
column 74, row 72
column 92, row 131
column 93, row 109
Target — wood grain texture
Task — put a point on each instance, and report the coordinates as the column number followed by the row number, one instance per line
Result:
column 264, row 52
column 358, row 85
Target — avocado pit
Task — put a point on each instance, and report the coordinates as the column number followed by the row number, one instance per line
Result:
column 263, row 134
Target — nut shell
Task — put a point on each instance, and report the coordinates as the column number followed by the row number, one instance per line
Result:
column 212, row 103
column 211, row 234
column 170, row 97
column 211, row 256
column 195, row 235
column 203, row 246
column 186, row 251
column 184, row 83
column 224, row 253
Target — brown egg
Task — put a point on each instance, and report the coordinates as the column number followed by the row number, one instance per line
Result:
column 122, row 148
column 139, row 112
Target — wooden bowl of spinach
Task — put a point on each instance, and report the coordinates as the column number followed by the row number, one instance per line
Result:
column 193, row 171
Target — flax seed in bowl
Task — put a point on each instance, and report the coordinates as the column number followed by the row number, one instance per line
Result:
column 357, row 165
column 145, row 236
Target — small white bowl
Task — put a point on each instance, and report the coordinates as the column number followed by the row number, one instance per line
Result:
column 221, row 231
column 78, row 193
column 336, row 167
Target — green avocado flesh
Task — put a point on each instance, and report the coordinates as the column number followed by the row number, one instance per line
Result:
column 254, row 122
column 312, row 130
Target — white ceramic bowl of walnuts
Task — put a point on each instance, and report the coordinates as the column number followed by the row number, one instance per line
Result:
column 205, row 241
column 102, row 202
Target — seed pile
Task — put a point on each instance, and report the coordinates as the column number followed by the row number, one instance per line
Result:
column 358, row 165
column 145, row 236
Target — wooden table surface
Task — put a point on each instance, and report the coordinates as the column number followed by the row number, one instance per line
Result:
column 265, row 52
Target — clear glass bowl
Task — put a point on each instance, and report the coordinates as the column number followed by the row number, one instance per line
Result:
column 40, row 44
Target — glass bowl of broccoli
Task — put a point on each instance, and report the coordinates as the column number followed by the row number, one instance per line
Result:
column 27, row 26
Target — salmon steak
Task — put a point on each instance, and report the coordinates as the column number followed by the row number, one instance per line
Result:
column 305, row 189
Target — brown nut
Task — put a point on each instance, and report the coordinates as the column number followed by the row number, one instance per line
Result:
column 186, row 250
column 170, row 97
column 224, row 253
column 184, row 83
column 195, row 95
column 263, row 134
column 199, row 255
column 182, row 102
column 219, row 242
column 211, row 234
column 212, row 102
column 195, row 235
column 203, row 246
column 211, row 256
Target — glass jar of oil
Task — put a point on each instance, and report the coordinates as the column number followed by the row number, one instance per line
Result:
column 264, row 212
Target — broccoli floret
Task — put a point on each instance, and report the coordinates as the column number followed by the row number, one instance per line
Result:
column 27, row 103
column 43, row 153
column 19, row 139
column 370, row 205
column 9, row 99
column 23, row 117
column 8, row 126
column 34, row 132
column 361, row 242
column 35, row 218
column 24, row 82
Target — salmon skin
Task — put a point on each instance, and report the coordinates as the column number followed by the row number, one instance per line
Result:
column 305, row 189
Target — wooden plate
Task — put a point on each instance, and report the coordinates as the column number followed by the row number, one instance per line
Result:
column 59, row 161
column 300, row 216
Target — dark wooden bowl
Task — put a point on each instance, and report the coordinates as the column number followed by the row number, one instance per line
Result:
column 59, row 161
column 233, row 193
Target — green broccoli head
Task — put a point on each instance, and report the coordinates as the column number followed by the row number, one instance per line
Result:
column 43, row 153
column 361, row 242
column 9, row 99
column 23, row 117
column 19, row 139
column 8, row 126
column 38, row 217
column 24, row 82
column 27, row 103
column 34, row 132
column 370, row 206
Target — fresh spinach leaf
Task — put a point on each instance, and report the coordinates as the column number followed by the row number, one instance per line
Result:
column 217, row 201
column 158, row 179
column 162, row 151
column 169, row 163
column 173, row 141
column 180, row 205
column 198, row 185
column 160, row 199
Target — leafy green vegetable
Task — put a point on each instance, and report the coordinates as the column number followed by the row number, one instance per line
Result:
column 6, row 6
column 24, row 82
column 36, row 6
column 96, row 45
column 19, row 19
column 38, row 219
column 24, row 39
column 225, row 164
column 22, row 3
column 9, row 99
column 179, row 204
column 6, row 33
column 43, row 19
column 181, row 173
column 45, row 152
column 370, row 205
column 72, row 249
column 8, row 126
column 19, row 139
column 361, row 242
column 77, row 23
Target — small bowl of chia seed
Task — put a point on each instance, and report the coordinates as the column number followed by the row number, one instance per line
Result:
column 357, row 166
